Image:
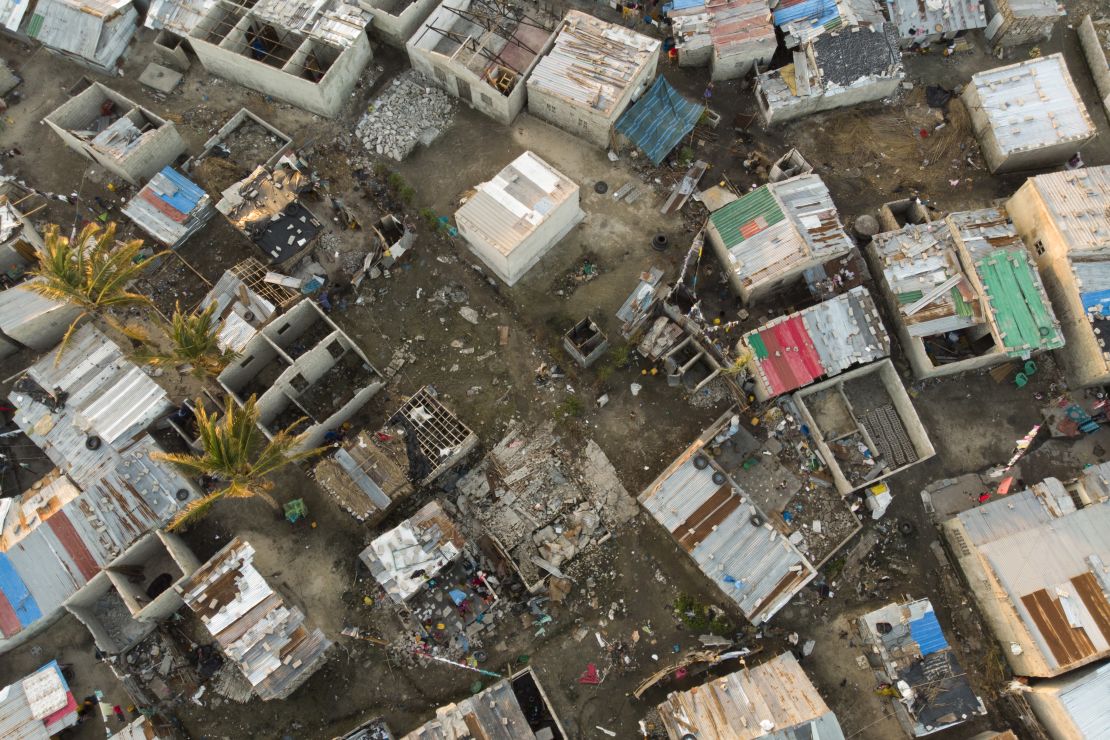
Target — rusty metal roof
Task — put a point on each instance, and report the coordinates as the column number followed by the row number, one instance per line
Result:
column 266, row 638
column 775, row 700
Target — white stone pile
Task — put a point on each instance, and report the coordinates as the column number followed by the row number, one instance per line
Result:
column 410, row 111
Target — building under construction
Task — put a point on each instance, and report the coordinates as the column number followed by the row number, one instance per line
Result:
column 480, row 51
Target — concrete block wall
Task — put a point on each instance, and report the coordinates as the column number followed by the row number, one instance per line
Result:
column 395, row 28
column 1096, row 60
column 751, row 294
column 1004, row 29
column 841, row 97
column 448, row 75
column 169, row 48
column 735, row 66
column 159, row 147
column 325, row 98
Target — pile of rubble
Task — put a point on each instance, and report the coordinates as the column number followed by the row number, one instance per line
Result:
column 410, row 111
column 542, row 503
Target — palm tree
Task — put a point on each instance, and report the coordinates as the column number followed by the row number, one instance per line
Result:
column 236, row 452
column 194, row 340
column 90, row 273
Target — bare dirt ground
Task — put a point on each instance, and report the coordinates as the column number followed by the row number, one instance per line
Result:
column 629, row 585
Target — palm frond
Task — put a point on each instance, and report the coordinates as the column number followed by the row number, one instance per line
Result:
column 195, row 510
column 234, row 450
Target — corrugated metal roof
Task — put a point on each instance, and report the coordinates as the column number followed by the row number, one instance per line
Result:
column 425, row 542
column 493, row 713
column 170, row 207
column 1032, row 104
column 1031, row 8
column 504, row 211
column 730, row 539
column 179, row 16
column 659, row 120
column 1055, row 575
column 38, row 706
column 917, row 19
column 267, row 639
column 823, row 340
column 914, row 651
column 1003, row 517
column 927, row 633
column 592, row 62
column 1084, row 697
column 736, row 706
column 97, row 31
column 1076, row 201
column 777, row 227
column 20, row 306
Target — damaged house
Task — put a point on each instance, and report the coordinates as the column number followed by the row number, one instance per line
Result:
column 729, row 538
column 93, row 33
column 538, row 504
column 246, row 301
column 27, row 319
column 513, row 220
column 774, row 700
column 964, row 293
column 395, row 21
column 730, row 36
column 307, row 54
column 769, row 237
column 1052, row 618
column 267, row 208
column 863, row 425
column 121, row 136
column 480, row 52
column 821, row 341
column 914, row 656
column 834, row 70
column 804, row 20
column 921, row 24
column 267, row 639
column 170, row 208
column 1062, row 219
column 590, row 75
column 514, row 708
column 84, row 538
column 303, row 370
column 420, row 442
column 1027, row 115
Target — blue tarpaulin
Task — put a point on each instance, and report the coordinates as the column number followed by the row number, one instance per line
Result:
column 927, row 634
column 1096, row 299
column 659, row 120
column 15, row 592
column 811, row 13
column 183, row 194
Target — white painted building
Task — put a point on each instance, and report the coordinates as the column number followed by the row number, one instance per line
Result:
column 514, row 219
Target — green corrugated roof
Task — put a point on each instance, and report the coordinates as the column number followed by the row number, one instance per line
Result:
column 758, row 347
column 1017, row 301
column 910, row 296
column 962, row 309
column 729, row 220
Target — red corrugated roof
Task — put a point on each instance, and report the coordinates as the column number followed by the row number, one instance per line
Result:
column 150, row 197
column 63, row 529
column 792, row 361
column 9, row 620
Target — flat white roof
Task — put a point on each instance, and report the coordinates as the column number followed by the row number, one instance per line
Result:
column 506, row 209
